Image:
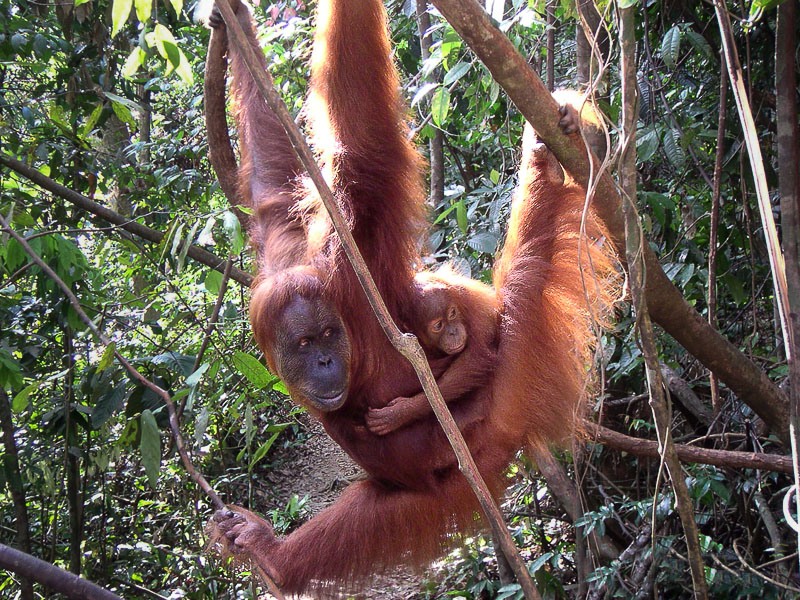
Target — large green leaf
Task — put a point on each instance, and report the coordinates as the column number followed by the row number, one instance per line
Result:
column 440, row 106
column 252, row 369
column 150, row 447
column 671, row 47
column 120, row 11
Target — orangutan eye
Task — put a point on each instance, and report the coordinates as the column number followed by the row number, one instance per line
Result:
column 304, row 342
column 327, row 333
column 452, row 313
column 437, row 326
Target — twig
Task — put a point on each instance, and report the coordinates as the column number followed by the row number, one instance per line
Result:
column 406, row 344
column 759, row 574
column 212, row 321
column 223, row 287
column 713, row 235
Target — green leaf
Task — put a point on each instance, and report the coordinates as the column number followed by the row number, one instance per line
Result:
column 133, row 62
column 143, row 10
column 180, row 363
column 108, row 404
column 673, row 149
column 234, row 230
column 150, row 447
column 671, row 47
column 280, row 387
column 173, row 53
column 122, row 108
column 213, row 282
column 193, row 379
column 108, row 357
column 422, row 92
column 485, row 242
column 539, row 562
column 252, row 369
column 167, row 47
column 185, row 245
column 494, row 92
column 646, row 144
column 264, row 448
column 627, row 3
column 120, row 11
column 18, row 41
column 20, row 401
column 461, row 216
column 440, row 106
column 200, row 425
column 177, row 6
column 88, row 127
column 457, row 72
column 700, row 44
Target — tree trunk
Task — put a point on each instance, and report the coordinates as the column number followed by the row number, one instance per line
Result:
column 14, row 482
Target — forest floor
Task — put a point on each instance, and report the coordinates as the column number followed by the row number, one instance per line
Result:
column 320, row 469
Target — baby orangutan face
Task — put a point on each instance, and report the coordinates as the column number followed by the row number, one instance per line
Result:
column 444, row 328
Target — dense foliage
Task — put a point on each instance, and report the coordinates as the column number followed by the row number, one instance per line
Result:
column 105, row 98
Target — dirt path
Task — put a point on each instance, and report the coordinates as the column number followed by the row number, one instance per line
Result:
column 321, row 469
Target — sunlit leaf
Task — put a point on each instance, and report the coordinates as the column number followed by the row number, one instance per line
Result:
column 20, row 401
column 177, row 6
column 252, row 369
column 461, row 216
column 133, row 62
column 213, row 282
column 88, row 127
column 120, row 11
column 143, row 9
column 108, row 357
column 440, row 106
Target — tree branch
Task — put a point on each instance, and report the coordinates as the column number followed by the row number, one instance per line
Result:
column 730, row 459
column 106, row 214
column 51, row 576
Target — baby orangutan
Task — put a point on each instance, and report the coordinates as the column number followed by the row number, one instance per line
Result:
column 458, row 327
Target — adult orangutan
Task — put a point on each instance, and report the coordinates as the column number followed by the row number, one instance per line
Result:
column 312, row 321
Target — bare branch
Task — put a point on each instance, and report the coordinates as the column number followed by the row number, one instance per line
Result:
column 51, row 576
